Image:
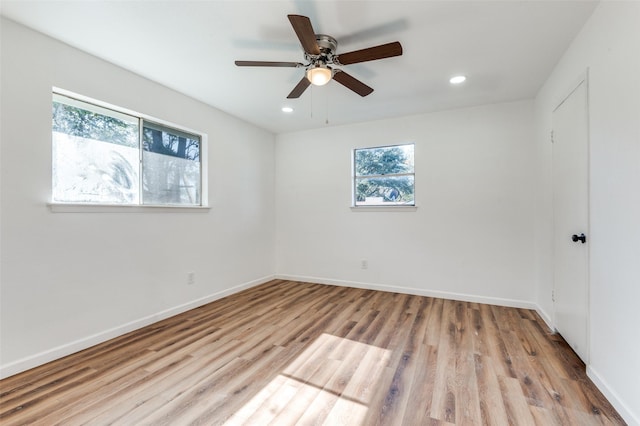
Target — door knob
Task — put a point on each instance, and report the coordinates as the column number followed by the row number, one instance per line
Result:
column 575, row 238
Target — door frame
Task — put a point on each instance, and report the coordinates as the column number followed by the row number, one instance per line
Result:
column 583, row 78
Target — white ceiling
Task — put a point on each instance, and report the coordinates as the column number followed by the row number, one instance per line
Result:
column 507, row 48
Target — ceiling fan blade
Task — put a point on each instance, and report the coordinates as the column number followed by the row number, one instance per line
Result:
column 370, row 54
column 299, row 89
column 268, row 64
column 352, row 83
column 304, row 30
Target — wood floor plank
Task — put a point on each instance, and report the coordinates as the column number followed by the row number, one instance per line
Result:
column 492, row 407
column 517, row 409
column 308, row 393
column 533, row 391
column 434, row 327
column 407, row 364
column 288, row 353
column 422, row 388
column 359, row 393
column 443, row 403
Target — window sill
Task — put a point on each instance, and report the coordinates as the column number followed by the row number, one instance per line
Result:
column 115, row 208
column 384, row 208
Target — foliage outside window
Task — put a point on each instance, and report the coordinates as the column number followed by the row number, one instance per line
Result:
column 384, row 176
column 101, row 156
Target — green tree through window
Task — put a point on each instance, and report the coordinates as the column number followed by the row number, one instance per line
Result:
column 384, row 175
column 79, row 122
column 101, row 156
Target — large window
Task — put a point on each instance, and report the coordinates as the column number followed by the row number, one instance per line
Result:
column 383, row 176
column 104, row 156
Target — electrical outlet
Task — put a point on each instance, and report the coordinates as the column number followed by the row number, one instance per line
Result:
column 364, row 264
column 191, row 278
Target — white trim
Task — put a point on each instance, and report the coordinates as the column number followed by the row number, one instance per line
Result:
column 80, row 344
column 204, row 170
column 513, row 303
column 582, row 79
column 204, row 158
column 384, row 208
column 546, row 318
column 622, row 408
column 38, row 359
column 354, row 178
column 123, row 110
column 120, row 208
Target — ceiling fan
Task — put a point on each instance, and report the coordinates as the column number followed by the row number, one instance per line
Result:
column 320, row 55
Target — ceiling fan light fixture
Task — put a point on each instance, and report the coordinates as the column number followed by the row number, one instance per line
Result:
column 319, row 75
column 320, row 55
column 457, row 79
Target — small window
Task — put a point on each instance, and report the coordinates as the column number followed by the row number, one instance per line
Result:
column 105, row 156
column 384, row 176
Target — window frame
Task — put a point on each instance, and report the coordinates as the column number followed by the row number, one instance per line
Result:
column 61, row 206
column 381, row 207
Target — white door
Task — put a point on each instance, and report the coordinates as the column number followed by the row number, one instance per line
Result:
column 571, row 218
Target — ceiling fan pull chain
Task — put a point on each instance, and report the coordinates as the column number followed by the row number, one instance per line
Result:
column 326, row 119
column 320, row 53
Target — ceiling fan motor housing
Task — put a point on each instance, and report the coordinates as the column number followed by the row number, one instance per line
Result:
column 320, row 52
column 327, row 45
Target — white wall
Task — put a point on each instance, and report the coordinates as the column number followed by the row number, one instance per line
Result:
column 482, row 230
column 471, row 236
column 609, row 46
column 72, row 279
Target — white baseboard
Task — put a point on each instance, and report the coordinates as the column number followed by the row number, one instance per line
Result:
column 84, row 343
column 623, row 410
column 92, row 340
column 546, row 318
column 513, row 303
column 632, row 419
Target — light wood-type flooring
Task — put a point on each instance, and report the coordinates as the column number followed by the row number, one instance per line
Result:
column 296, row 353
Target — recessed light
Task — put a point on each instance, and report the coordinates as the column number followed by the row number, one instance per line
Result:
column 457, row 79
column 287, row 109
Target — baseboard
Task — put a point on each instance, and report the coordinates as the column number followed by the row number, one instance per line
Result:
column 546, row 318
column 86, row 342
column 622, row 408
column 513, row 303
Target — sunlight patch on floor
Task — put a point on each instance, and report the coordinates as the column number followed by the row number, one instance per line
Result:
column 332, row 379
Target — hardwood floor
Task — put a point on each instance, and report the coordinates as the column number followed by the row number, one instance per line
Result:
column 297, row 353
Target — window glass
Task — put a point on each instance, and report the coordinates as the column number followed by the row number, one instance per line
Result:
column 100, row 156
column 171, row 166
column 384, row 176
column 95, row 154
